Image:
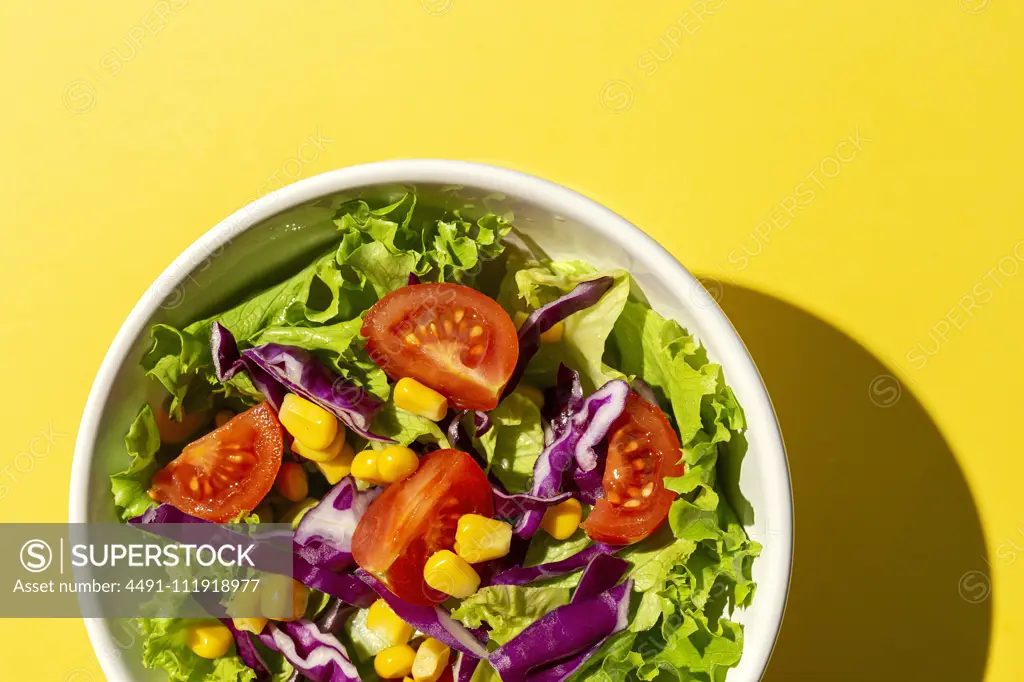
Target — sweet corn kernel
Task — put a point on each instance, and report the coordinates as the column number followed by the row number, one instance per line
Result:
column 339, row 467
column 407, row 679
column 394, row 662
column 253, row 625
column 292, row 482
column 321, row 455
column 209, row 640
column 223, row 417
column 298, row 510
column 387, row 625
column 431, row 661
column 413, row 396
column 364, row 466
column 479, row 538
column 396, row 462
column 308, row 422
column 553, row 335
column 532, row 392
column 562, row 520
column 447, row 572
column 282, row 598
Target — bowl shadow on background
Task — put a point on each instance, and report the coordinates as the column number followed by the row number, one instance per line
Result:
column 889, row 577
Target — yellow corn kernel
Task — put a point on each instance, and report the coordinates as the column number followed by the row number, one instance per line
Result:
column 364, row 466
column 282, row 598
column 253, row 625
column 533, row 393
column 298, row 510
column 223, row 417
column 396, row 462
column 339, row 467
column 394, row 662
column 562, row 520
column 308, row 422
column 292, row 482
column 209, row 640
column 407, row 679
column 413, row 396
column 387, row 625
column 321, row 455
column 479, row 538
column 447, row 572
column 431, row 660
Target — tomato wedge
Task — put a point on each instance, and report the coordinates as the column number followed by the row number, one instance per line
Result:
column 228, row 471
column 449, row 337
column 642, row 450
column 416, row 517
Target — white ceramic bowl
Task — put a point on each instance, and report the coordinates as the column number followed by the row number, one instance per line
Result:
column 272, row 230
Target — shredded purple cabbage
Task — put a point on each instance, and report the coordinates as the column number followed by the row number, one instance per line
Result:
column 324, row 535
column 227, row 362
column 413, row 279
column 318, row 655
column 511, row 505
column 547, row 316
column 601, row 574
column 432, row 621
column 522, row 575
column 566, row 636
column 574, row 445
column 345, row 586
column 301, row 373
column 464, row 667
column 247, row 651
column 481, row 422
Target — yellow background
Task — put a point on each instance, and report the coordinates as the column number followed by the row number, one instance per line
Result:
column 128, row 128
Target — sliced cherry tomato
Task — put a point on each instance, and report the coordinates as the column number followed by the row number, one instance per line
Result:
column 226, row 472
column 416, row 517
column 449, row 337
column 642, row 450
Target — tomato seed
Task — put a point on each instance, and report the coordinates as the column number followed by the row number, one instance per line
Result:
column 632, row 504
column 648, row 489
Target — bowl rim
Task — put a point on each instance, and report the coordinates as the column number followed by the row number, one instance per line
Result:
column 772, row 595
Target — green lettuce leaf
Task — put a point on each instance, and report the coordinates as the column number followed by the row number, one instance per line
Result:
column 509, row 609
column 583, row 343
column 129, row 486
column 165, row 648
column 405, row 427
column 514, row 441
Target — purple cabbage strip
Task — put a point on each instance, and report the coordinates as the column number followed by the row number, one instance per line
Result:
column 601, row 574
column 584, row 295
column 568, row 398
column 464, row 667
column 301, row 373
column 227, row 361
column 522, row 575
column 481, row 422
column 581, row 627
column 432, row 621
column 334, row 615
column 345, row 587
column 510, row 505
column 318, row 655
column 583, row 431
column 413, row 279
column 324, row 535
column 248, row 652
column 590, row 484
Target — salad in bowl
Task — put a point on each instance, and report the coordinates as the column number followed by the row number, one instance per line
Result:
column 498, row 465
